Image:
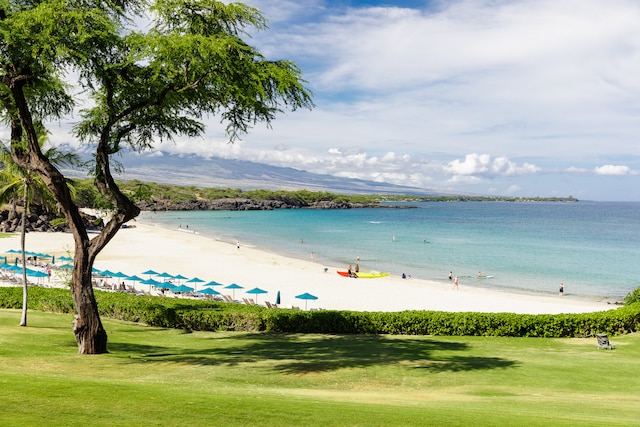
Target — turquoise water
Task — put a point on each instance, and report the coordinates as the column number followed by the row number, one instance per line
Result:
column 592, row 247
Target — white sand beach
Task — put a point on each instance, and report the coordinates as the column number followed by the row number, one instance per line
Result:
column 143, row 247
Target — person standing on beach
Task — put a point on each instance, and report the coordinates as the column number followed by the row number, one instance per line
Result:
column 238, row 244
column 455, row 283
column 561, row 289
column 450, row 275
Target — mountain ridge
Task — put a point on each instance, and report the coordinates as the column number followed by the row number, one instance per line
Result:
column 230, row 173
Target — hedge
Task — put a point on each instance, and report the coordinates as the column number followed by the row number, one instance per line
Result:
column 221, row 316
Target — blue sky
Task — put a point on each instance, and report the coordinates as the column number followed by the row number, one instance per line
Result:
column 523, row 98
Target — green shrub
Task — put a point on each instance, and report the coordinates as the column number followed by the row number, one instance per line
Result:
column 202, row 315
column 632, row 297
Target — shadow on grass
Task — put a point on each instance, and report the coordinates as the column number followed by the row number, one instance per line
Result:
column 298, row 354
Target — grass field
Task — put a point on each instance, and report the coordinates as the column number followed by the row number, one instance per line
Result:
column 164, row 377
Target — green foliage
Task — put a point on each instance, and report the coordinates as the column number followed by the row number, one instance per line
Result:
column 203, row 315
column 632, row 297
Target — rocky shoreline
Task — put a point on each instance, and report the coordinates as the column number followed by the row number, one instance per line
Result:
column 242, row 204
column 11, row 222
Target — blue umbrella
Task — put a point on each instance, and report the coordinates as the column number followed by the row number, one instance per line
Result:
column 209, row 291
column 105, row 273
column 181, row 289
column 256, row 292
column 65, row 258
column 165, row 275
column 233, row 286
column 306, row 297
column 36, row 273
column 212, row 283
column 278, row 298
column 150, row 272
column 151, row 282
column 69, row 267
column 195, row 281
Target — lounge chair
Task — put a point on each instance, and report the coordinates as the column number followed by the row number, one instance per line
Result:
column 603, row 342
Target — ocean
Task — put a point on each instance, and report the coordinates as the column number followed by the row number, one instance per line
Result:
column 591, row 247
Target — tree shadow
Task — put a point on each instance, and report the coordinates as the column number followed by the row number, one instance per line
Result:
column 300, row 353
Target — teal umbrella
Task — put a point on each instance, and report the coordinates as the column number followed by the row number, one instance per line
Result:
column 179, row 277
column 209, row 291
column 233, row 287
column 212, row 283
column 256, row 292
column 181, row 289
column 306, row 297
column 152, row 282
column 195, row 281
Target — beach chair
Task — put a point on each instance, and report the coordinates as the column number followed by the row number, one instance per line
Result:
column 603, row 342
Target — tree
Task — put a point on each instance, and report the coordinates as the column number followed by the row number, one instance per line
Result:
column 24, row 184
column 143, row 86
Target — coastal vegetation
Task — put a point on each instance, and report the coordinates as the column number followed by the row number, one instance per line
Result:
column 207, row 315
column 157, row 377
column 155, row 196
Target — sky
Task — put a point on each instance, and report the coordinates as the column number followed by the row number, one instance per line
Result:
column 493, row 97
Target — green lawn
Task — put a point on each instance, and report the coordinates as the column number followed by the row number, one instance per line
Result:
column 164, row 377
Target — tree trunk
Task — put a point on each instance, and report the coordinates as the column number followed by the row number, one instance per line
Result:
column 23, row 233
column 87, row 326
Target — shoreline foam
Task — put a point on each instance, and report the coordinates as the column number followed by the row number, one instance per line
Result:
column 141, row 247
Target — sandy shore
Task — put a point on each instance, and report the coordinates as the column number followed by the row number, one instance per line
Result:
column 137, row 249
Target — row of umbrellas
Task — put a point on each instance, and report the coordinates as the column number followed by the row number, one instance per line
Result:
column 40, row 255
column 207, row 290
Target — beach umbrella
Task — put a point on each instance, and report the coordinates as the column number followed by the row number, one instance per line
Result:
column 151, row 282
column 181, row 289
column 36, row 273
column 53, row 259
column 69, row 267
column 256, row 292
column 120, row 275
column 105, row 273
column 134, row 278
column 212, row 283
column 306, row 297
column 150, row 273
column 65, row 258
column 165, row 275
column 195, row 281
column 278, row 298
column 209, row 291
column 179, row 277
column 233, row 286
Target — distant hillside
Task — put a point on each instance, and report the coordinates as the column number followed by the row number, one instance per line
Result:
column 217, row 172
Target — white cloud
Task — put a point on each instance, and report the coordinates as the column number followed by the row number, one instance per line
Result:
column 483, row 165
column 617, row 170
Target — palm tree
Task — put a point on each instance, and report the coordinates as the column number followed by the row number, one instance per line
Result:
column 19, row 183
